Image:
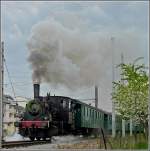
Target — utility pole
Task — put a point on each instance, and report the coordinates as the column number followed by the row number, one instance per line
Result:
column 131, row 127
column 113, row 79
column 1, row 91
column 123, row 121
column 96, row 96
column 149, row 109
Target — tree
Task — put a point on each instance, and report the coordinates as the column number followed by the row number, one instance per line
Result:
column 131, row 93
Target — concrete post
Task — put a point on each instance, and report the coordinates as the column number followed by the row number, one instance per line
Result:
column 131, row 127
column 113, row 79
column 1, row 92
column 123, row 128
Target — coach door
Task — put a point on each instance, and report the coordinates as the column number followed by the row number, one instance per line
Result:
column 77, row 115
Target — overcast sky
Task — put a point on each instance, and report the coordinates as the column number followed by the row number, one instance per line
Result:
column 126, row 21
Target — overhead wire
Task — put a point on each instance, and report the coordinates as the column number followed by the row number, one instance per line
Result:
column 9, row 77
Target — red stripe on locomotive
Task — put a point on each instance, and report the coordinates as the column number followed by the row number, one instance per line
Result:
column 35, row 124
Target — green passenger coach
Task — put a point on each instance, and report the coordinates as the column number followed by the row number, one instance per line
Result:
column 88, row 119
column 87, row 116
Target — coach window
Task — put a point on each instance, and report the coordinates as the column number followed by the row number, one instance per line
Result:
column 87, row 111
column 69, row 105
column 64, row 104
column 72, row 105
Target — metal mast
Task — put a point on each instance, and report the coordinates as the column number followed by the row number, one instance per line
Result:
column 149, row 105
column 113, row 79
column 123, row 121
column 96, row 96
column 1, row 91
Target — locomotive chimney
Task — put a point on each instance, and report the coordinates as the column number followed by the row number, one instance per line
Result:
column 36, row 88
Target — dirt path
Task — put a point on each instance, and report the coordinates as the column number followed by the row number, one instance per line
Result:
column 85, row 144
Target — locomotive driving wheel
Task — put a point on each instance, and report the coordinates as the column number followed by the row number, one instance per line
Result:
column 32, row 138
column 38, row 138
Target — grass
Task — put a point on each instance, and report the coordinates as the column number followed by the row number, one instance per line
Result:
column 138, row 141
column 141, row 146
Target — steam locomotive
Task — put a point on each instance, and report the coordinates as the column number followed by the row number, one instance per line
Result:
column 46, row 116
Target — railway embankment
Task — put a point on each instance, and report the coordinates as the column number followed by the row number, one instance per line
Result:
column 128, row 142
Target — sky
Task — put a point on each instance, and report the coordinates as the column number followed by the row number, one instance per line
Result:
column 92, row 24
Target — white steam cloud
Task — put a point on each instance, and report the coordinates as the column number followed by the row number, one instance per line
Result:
column 60, row 55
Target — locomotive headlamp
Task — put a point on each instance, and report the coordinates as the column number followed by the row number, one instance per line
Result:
column 45, row 118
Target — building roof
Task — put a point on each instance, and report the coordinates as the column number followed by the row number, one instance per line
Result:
column 7, row 99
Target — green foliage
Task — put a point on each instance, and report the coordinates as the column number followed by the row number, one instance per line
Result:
column 131, row 92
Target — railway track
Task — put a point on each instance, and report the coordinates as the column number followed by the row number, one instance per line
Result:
column 13, row 144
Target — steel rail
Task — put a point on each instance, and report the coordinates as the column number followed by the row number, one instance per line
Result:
column 12, row 144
